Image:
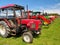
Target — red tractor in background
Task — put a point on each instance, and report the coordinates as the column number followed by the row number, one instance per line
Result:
column 38, row 15
column 13, row 22
column 52, row 17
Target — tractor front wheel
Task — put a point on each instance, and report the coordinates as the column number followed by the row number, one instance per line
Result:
column 27, row 37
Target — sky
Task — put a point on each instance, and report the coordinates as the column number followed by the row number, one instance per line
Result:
column 49, row 6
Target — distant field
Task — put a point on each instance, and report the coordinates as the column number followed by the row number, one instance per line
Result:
column 49, row 36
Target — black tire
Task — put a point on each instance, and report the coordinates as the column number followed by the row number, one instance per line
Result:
column 4, row 29
column 27, row 37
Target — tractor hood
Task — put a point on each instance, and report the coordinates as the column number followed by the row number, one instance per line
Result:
column 29, row 22
column 25, row 21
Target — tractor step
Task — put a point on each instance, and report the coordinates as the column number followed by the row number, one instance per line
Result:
column 12, row 32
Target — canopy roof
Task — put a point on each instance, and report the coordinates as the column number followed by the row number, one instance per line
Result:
column 36, row 12
column 12, row 5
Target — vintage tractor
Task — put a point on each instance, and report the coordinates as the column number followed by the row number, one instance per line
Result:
column 38, row 15
column 52, row 18
column 13, row 22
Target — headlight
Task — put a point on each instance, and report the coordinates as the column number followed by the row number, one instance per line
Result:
column 45, row 23
column 33, row 25
column 37, row 32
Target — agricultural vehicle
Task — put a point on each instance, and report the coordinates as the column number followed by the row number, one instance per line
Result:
column 12, row 22
column 52, row 17
column 38, row 15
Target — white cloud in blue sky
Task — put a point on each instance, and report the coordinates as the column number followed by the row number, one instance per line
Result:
column 54, row 9
column 51, row 8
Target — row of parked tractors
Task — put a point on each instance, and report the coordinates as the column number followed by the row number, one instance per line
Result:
column 14, row 20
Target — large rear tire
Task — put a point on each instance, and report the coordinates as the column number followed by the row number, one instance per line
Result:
column 4, row 29
column 27, row 37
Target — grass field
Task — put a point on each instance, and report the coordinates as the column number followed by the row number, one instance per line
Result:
column 49, row 36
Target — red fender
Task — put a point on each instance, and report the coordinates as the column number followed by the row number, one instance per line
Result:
column 8, row 23
column 18, row 21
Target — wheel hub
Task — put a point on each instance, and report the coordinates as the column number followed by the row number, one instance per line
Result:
column 2, row 30
column 26, row 38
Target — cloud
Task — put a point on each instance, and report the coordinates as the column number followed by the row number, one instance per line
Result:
column 52, row 9
column 56, row 6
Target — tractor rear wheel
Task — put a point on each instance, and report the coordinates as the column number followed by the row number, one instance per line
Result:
column 27, row 37
column 4, row 29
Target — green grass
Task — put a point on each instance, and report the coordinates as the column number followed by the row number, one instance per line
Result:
column 49, row 36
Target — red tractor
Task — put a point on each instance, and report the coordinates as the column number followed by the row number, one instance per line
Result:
column 52, row 17
column 37, row 15
column 12, row 22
